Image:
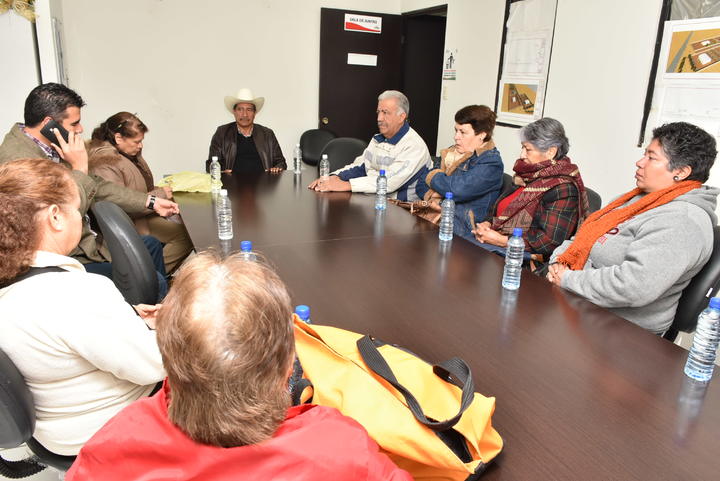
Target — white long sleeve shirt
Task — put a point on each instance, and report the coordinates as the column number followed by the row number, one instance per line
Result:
column 404, row 157
column 83, row 351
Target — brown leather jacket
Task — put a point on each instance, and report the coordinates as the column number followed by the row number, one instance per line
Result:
column 223, row 144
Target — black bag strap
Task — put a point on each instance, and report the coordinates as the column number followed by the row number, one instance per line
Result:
column 455, row 371
column 31, row 273
column 298, row 389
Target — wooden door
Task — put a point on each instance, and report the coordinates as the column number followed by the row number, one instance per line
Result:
column 348, row 92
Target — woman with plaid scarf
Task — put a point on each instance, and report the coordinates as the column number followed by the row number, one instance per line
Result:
column 547, row 199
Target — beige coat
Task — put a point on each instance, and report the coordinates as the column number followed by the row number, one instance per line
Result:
column 106, row 161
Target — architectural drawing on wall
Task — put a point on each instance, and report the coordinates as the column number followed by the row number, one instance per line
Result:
column 525, row 62
column 681, row 92
column 694, row 51
column 525, row 56
column 519, row 98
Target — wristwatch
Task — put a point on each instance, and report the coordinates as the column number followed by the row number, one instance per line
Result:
column 151, row 204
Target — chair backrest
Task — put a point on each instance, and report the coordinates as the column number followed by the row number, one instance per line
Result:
column 312, row 142
column 436, row 160
column 594, row 200
column 696, row 296
column 17, row 424
column 17, row 411
column 133, row 270
column 343, row 150
column 507, row 184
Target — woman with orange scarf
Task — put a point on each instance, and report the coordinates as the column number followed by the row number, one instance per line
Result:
column 637, row 254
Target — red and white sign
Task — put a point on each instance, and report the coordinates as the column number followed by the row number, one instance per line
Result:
column 363, row 23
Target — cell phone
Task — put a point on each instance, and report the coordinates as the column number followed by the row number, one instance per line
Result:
column 47, row 131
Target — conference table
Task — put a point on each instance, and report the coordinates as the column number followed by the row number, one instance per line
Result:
column 581, row 394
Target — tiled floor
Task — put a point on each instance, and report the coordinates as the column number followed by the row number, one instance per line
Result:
column 48, row 474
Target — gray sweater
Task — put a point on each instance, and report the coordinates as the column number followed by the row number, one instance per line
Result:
column 639, row 269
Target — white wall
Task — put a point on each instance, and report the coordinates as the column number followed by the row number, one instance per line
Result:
column 173, row 62
column 19, row 53
column 601, row 61
column 599, row 71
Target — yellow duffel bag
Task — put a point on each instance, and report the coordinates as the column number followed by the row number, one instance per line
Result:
column 427, row 418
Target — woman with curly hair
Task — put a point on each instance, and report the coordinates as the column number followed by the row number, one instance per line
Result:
column 83, row 351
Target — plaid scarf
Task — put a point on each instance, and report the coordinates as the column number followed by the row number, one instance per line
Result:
column 537, row 179
column 612, row 215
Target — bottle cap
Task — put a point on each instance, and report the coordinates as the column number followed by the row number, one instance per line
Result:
column 448, row 195
column 246, row 246
column 214, row 157
column 517, row 232
column 715, row 302
column 223, row 192
column 324, row 156
column 382, row 171
column 303, row 312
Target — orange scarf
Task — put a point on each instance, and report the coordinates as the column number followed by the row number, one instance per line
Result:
column 600, row 222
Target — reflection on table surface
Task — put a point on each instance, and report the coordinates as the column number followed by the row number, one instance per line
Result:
column 581, row 393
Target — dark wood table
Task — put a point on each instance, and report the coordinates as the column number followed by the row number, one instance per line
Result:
column 581, row 394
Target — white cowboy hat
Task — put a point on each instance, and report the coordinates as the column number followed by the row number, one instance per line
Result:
column 244, row 96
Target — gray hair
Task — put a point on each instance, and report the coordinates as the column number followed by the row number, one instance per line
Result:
column 402, row 102
column 545, row 134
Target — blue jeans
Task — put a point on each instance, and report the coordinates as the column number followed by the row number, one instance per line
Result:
column 155, row 248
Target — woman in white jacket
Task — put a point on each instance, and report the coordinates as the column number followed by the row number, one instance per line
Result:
column 83, row 351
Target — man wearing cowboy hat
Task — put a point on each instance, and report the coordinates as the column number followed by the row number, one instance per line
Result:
column 243, row 146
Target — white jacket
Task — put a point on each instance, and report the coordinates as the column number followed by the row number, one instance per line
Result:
column 83, row 351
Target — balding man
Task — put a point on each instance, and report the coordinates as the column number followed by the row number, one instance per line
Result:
column 397, row 149
column 226, row 338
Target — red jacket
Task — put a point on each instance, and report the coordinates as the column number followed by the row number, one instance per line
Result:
column 313, row 443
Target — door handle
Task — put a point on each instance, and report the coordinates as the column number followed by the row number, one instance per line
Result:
column 325, row 120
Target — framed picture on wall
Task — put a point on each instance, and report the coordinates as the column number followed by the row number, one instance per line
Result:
column 524, row 61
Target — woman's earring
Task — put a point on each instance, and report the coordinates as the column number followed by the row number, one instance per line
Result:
column 676, row 178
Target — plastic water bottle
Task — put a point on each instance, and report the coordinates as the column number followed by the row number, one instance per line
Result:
column 224, row 216
column 303, row 312
column 324, row 168
column 701, row 360
column 246, row 252
column 381, row 191
column 297, row 159
column 513, row 260
column 447, row 217
column 215, row 175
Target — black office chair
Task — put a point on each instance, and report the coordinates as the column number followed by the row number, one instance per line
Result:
column 343, row 150
column 133, row 270
column 594, row 200
column 312, row 142
column 696, row 296
column 507, row 184
column 17, row 424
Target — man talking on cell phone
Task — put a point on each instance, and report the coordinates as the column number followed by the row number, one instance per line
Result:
column 52, row 102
